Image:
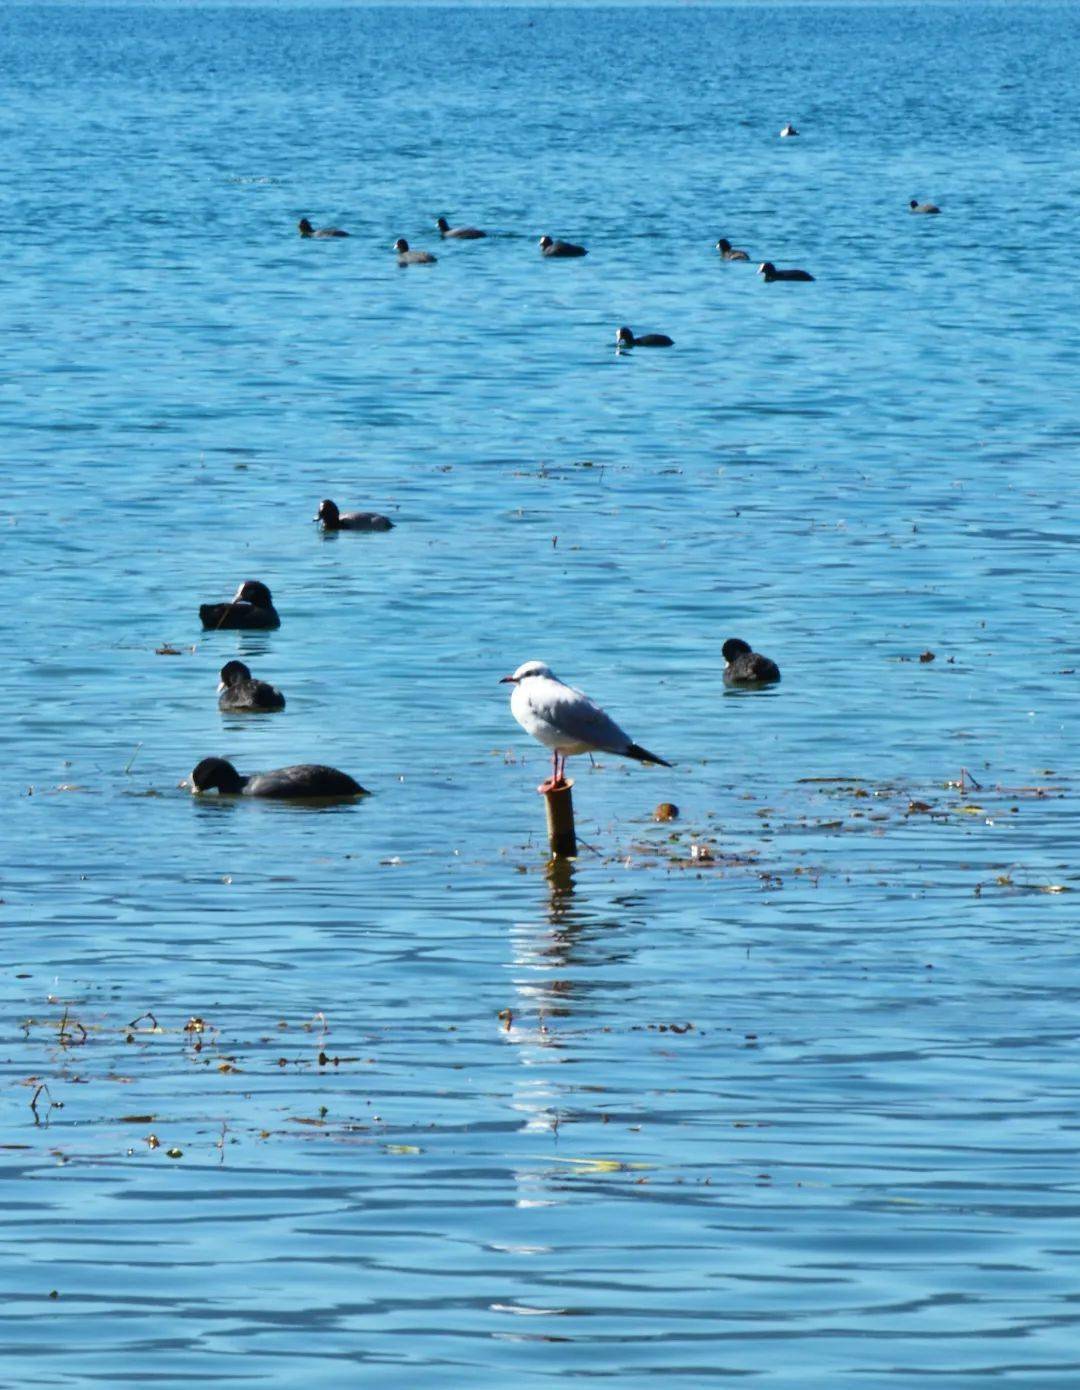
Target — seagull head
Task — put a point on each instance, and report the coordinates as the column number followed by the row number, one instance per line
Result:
column 526, row 669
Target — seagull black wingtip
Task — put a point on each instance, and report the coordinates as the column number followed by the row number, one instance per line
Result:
column 643, row 755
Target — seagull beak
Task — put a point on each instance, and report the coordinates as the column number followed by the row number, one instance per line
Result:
column 508, row 680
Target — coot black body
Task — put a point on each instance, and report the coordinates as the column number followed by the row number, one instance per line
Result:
column 334, row 520
column 560, row 248
column 729, row 252
column 303, row 781
column 460, row 233
column 240, row 691
column 624, row 338
column 746, row 666
column 770, row 272
column 407, row 257
column 318, row 233
column 251, row 607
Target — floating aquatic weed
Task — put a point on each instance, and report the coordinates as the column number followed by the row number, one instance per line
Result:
column 1006, row 880
column 43, row 1089
column 66, row 1037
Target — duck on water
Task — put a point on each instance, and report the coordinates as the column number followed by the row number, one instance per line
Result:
column 239, row 691
column 299, row 782
column 250, row 607
column 334, row 520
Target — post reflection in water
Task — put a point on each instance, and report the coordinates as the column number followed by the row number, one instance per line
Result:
column 547, row 957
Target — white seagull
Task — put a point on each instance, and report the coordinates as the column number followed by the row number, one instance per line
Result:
column 566, row 720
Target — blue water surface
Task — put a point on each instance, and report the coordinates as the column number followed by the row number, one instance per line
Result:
column 783, row 1092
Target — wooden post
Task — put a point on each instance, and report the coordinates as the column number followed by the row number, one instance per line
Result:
column 560, row 819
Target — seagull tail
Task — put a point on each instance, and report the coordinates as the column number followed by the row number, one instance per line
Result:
column 635, row 750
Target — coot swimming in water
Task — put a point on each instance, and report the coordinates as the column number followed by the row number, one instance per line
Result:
column 307, row 230
column 407, row 257
column 308, row 781
column 239, row 690
column 462, row 233
column 771, row 273
column 560, row 248
column 251, row 607
column 334, row 520
column 624, row 338
column 747, row 667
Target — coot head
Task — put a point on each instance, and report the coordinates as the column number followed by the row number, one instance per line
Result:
column 766, row 268
column 401, row 246
column 216, row 772
column 255, row 592
column 233, row 673
column 328, row 512
column 306, row 229
column 443, row 225
column 624, row 337
column 545, row 242
column 735, row 646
